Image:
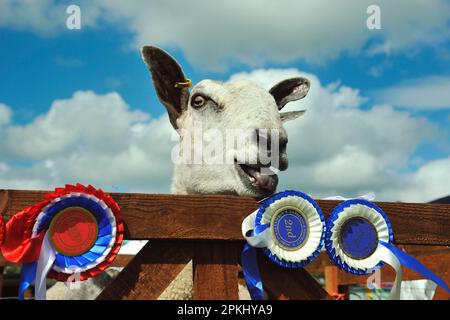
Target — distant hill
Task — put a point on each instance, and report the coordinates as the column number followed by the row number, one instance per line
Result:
column 442, row 200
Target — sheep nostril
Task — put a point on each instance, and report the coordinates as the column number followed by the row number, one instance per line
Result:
column 283, row 144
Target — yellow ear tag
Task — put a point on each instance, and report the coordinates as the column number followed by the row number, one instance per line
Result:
column 185, row 84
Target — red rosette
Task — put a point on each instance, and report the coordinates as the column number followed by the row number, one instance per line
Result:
column 109, row 201
column 20, row 246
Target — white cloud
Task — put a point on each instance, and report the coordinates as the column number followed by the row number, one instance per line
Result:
column 431, row 181
column 427, row 93
column 88, row 138
column 5, row 114
column 336, row 148
column 80, row 122
column 214, row 33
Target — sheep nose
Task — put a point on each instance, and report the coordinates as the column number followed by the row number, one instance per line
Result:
column 283, row 143
column 283, row 153
column 263, row 137
column 268, row 150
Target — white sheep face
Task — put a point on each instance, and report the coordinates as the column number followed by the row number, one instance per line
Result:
column 210, row 113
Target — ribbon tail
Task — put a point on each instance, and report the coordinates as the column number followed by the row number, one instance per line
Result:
column 27, row 276
column 412, row 263
column 256, row 237
column 251, row 274
column 384, row 254
column 44, row 264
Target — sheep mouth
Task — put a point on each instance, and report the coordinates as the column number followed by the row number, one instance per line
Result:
column 265, row 180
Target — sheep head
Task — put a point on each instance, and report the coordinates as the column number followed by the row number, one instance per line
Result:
column 223, row 110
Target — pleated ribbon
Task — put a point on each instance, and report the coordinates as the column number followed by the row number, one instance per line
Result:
column 27, row 238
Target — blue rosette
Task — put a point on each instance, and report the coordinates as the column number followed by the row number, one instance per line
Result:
column 354, row 230
column 359, row 239
column 297, row 228
column 289, row 227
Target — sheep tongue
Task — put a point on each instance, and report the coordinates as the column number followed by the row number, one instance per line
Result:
column 264, row 181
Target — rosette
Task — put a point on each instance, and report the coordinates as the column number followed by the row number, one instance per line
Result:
column 353, row 231
column 74, row 234
column 359, row 240
column 289, row 227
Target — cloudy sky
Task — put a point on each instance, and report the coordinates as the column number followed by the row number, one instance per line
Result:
column 78, row 105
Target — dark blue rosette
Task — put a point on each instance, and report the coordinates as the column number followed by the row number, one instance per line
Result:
column 354, row 230
column 359, row 239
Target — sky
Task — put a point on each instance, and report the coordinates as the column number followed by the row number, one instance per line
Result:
column 77, row 105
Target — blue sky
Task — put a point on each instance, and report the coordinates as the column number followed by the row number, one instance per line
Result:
column 42, row 61
column 41, row 68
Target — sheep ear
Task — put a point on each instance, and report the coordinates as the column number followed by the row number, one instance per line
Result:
column 167, row 76
column 291, row 115
column 289, row 90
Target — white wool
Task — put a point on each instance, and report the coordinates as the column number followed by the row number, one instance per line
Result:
column 245, row 105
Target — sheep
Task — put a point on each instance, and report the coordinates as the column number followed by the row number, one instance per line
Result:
column 219, row 107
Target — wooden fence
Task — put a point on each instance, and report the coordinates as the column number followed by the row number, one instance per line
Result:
column 207, row 230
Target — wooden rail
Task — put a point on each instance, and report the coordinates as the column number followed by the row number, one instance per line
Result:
column 206, row 230
column 216, row 217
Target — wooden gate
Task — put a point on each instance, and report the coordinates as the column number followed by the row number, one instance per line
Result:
column 207, row 230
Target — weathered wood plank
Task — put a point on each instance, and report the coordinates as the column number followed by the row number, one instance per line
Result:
column 4, row 202
column 219, row 217
column 122, row 260
column 216, row 270
column 288, row 284
column 150, row 272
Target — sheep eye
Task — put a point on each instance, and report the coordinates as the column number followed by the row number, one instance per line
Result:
column 198, row 101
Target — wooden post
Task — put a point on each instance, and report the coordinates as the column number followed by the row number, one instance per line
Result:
column 216, row 270
column 331, row 279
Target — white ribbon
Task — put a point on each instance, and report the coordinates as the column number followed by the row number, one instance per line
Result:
column 384, row 254
column 45, row 262
column 258, row 241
